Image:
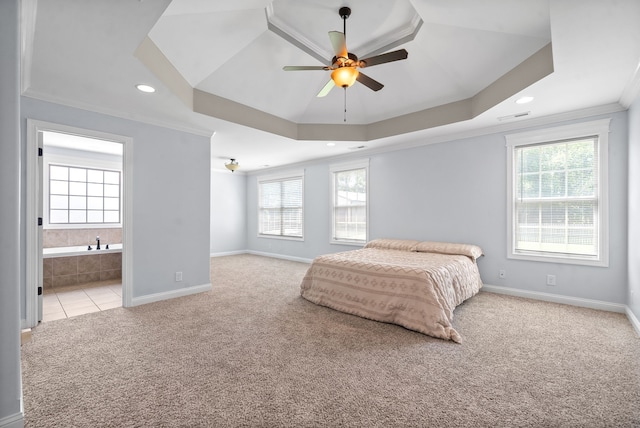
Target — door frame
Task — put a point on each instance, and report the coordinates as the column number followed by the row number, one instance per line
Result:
column 34, row 181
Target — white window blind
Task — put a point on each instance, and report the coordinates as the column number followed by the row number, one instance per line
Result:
column 557, row 199
column 350, row 210
column 280, row 206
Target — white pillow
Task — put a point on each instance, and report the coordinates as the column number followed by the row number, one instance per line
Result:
column 393, row 244
column 468, row 250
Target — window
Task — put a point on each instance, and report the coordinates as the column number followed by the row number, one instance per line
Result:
column 280, row 206
column 349, row 202
column 83, row 195
column 557, row 194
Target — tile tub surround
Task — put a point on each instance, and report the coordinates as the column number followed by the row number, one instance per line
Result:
column 76, row 270
column 72, row 237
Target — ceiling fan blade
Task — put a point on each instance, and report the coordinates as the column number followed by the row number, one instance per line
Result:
column 304, row 67
column 326, row 89
column 369, row 82
column 339, row 43
column 384, row 58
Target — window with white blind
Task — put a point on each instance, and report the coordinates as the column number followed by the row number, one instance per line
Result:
column 83, row 195
column 349, row 182
column 280, row 206
column 558, row 205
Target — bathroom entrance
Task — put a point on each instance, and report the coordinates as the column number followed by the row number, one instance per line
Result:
column 82, row 225
column 77, row 252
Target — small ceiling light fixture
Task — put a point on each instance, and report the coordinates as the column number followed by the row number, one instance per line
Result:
column 232, row 165
column 524, row 100
column 145, row 88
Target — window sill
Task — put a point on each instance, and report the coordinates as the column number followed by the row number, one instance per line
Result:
column 48, row 226
column 562, row 259
column 352, row 243
column 285, row 238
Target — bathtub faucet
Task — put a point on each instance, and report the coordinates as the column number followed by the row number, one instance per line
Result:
column 98, row 241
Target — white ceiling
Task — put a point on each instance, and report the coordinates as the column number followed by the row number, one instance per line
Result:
column 90, row 55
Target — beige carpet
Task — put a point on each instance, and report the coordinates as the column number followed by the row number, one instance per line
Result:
column 252, row 353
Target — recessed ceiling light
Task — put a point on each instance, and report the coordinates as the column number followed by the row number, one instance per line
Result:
column 524, row 100
column 145, row 88
column 331, row 144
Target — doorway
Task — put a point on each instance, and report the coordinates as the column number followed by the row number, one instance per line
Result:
column 82, row 225
column 79, row 191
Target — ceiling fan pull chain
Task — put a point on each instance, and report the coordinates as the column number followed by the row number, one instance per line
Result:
column 345, row 104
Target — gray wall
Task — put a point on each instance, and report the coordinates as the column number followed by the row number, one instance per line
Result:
column 456, row 191
column 228, row 212
column 170, row 196
column 634, row 208
column 10, row 384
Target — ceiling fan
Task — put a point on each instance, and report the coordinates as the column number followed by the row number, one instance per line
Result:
column 344, row 65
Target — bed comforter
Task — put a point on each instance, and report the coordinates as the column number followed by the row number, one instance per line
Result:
column 417, row 290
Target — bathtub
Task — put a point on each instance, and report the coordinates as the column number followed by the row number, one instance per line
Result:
column 79, row 251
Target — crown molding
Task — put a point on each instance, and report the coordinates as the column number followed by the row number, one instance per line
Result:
column 288, row 33
column 531, row 70
column 394, row 38
column 119, row 114
column 420, row 140
column 28, row 14
column 632, row 89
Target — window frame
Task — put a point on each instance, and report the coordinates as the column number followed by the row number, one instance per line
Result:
column 73, row 161
column 597, row 128
column 344, row 167
column 292, row 175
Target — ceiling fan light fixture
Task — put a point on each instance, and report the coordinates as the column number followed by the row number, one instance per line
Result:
column 344, row 76
column 232, row 165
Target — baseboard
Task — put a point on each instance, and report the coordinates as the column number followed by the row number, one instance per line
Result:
column 634, row 321
column 13, row 421
column 263, row 254
column 557, row 298
column 228, row 253
column 156, row 297
column 279, row 256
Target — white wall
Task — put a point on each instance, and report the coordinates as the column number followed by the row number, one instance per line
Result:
column 228, row 212
column 634, row 209
column 171, row 190
column 10, row 383
column 456, row 191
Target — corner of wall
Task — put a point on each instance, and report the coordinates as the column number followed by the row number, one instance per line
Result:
column 633, row 320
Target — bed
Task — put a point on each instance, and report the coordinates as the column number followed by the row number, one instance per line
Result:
column 410, row 283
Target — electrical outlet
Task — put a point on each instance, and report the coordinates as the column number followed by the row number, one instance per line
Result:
column 178, row 276
column 551, row 280
column 502, row 274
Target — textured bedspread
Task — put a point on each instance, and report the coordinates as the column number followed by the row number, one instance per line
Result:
column 416, row 290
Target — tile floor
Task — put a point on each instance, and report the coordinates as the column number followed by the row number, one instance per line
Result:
column 69, row 302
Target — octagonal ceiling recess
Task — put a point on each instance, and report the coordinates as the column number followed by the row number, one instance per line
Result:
column 225, row 61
